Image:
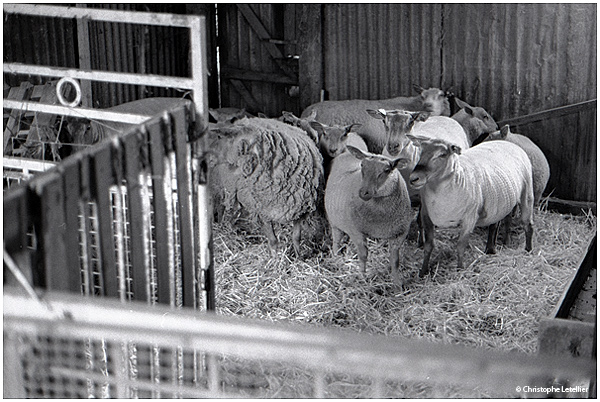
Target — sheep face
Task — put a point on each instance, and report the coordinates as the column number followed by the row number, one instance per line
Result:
column 398, row 123
column 435, row 101
column 332, row 139
column 378, row 174
column 436, row 162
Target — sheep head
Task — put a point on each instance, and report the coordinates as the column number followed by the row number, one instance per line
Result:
column 379, row 174
column 437, row 158
column 332, row 139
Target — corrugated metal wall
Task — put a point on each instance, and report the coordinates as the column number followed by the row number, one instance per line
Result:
column 375, row 51
column 520, row 58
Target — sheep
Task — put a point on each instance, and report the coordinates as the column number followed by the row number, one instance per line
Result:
column 274, row 171
column 366, row 196
column 373, row 132
column 399, row 123
column 539, row 164
column 477, row 187
column 476, row 121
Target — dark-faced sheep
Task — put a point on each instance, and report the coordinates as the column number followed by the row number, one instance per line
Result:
column 366, row 197
column 346, row 112
column 477, row 187
column 275, row 171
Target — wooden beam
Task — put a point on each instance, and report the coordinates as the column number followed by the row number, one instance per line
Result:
column 247, row 75
column 253, row 104
column 310, row 48
column 264, row 36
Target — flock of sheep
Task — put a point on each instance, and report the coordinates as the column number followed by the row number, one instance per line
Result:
column 367, row 163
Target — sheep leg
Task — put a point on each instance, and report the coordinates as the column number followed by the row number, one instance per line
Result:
column 428, row 233
column 268, row 230
column 296, row 236
column 359, row 241
column 463, row 240
column 336, row 239
column 507, row 224
column 421, row 235
column 396, row 251
column 490, row 247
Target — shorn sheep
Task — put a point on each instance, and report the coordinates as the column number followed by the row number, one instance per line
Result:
column 365, row 197
column 477, row 187
column 475, row 120
column 400, row 123
column 274, row 171
column 346, row 112
column 539, row 165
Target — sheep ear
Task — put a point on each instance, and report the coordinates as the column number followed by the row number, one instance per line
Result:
column 422, row 116
column 352, row 127
column 418, row 88
column 455, row 149
column 287, row 114
column 504, row 131
column 400, row 163
column 262, row 115
column 358, row 154
column 378, row 114
column 468, row 110
column 461, row 104
column 416, row 139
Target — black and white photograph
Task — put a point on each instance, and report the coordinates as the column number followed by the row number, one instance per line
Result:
column 300, row 200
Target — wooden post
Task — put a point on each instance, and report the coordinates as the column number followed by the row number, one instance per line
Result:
column 310, row 48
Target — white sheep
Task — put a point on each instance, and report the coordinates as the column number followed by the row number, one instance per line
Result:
column 274, row 170
column 539, row 164
column 346, row 112
column 400, row 123
column 365, row 196
column 477, row 187
column 476, row 121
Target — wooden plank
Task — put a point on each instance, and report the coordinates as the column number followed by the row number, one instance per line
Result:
column 566, row 338
column 134, row 158
column 310, row 49
column 576, row 282
column 102, row 179
column 85, row 58
column 159, row 200
column 53, row 230
column 12, row 126
column 180, row 119
column 253, row 105
column 247, row 75
column 70, row 170
column 265, row 37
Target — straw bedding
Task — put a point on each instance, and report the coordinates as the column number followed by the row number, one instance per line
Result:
column 496, row 301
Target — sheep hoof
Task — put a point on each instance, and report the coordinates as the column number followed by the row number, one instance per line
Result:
column 490, row 250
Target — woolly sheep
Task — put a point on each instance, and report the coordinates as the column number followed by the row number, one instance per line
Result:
column 365, row 196
column 347, row 112
column 274, row 170
column 476, row 121
column 477, row 187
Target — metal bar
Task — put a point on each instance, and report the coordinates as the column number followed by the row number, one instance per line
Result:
column 98, row 75
column 315, row 348
column 183, row 165
column 95, row 114
column 130, row 17
column 83, row 47
column 12, row 162
column 550, row 113
column 103, row 179
column 199, row 67
column 160, row 200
